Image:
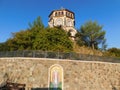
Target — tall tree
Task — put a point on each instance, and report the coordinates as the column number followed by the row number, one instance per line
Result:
column 20, row 41
column 53, row 39
column 91, row 34
column 3, row 46
column 37, row 24
column 24, row 39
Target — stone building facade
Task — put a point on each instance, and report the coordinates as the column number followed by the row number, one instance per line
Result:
column 64, row 18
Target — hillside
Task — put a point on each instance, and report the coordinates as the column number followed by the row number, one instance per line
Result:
column 86, row 50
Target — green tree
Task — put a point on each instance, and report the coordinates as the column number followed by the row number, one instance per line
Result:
column 21, row 41
column 3, row 46
column 79, row 39
column 91, row 34
column 37, row 37
column 24, row 39
column 53, row 39
column 37, row 24
column 114, row 52
column 104, row 45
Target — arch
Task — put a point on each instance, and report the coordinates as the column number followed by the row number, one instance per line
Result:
column 62, row 13
column 72, row 32
column 59, row 13
column 55, row 77
column 55, row 13
column 66, row 14
column 71, row 15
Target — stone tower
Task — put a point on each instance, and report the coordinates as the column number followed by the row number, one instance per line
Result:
column 64, row 18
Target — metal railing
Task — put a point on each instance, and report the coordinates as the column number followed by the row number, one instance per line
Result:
column 58, row 55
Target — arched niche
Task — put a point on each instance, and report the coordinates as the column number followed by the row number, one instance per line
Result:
column 55, row 77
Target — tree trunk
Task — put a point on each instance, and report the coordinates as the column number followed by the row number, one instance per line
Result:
column 93, row 46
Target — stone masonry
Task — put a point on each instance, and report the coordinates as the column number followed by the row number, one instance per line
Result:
column 78, row 75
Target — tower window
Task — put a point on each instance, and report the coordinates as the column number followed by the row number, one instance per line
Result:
column 66, row 13
column 71, row 15
column 59, row 13
column 56, row 14
column 62, row 13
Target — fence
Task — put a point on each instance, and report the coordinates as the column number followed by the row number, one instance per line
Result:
column 58, row 55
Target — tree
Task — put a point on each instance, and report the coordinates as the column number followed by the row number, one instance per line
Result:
column 37, row 24
column 39, row 38
column 24, row 39
column 104, row 45
column 91, row 34
column 79, row 39
column 114, row 52
column 3, row 46
column 53, row 39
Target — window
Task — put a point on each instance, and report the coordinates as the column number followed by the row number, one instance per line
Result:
column 62, row 13
column 56, row 14
column 59, row 13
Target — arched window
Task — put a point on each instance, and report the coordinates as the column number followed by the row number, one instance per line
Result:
column 66, row 14
column 71, row 15
column 55, row 13
column 59, row 13
column 62, row 13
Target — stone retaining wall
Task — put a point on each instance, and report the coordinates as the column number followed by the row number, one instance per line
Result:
column 78, row 75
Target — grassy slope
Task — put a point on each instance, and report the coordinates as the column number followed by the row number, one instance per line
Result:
column 86, row 50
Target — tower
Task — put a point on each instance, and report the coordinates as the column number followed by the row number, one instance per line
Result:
column 64, row 18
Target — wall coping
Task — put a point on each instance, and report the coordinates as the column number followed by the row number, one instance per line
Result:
column 62, row 60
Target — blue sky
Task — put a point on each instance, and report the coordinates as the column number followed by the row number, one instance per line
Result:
column 16, row 14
